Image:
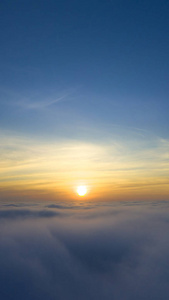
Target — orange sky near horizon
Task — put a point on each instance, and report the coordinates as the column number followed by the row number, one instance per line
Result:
column 110, row 171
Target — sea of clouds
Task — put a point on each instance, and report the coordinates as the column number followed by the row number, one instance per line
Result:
column 64, row 251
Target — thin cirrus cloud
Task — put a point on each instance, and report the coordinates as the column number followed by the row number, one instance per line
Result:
column 36, row 100
column 40, row 104
column 44, row 102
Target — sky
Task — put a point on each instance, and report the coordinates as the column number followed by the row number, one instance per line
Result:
column 84, row 99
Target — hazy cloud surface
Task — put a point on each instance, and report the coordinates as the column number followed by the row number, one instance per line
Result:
column 96, row 251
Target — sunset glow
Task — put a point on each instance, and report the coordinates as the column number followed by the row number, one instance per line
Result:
column 81, row 190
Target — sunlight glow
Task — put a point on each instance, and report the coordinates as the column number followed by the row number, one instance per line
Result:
column 81, row 190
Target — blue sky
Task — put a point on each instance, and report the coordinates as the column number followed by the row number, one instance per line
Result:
column 89, row 71
column 109, row 57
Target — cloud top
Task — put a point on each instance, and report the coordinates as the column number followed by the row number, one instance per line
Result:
column 109, row 251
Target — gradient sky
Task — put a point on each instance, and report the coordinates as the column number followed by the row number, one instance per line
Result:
column 84, row 99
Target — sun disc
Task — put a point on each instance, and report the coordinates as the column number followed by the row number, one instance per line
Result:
column 81, row 190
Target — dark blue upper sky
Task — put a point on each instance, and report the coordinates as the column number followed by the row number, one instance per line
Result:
column 81, row 63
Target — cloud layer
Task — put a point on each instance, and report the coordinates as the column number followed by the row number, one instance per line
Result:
column 63, row 251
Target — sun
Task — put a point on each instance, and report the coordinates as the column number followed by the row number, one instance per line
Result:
column 81, row 190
